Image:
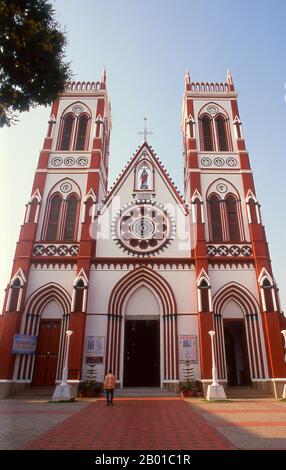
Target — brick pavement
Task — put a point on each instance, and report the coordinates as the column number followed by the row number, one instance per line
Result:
column 143, row 423
column 247, row 424
column 137, row 424
column 21, row 421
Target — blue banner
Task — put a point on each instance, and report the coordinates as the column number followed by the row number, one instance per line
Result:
column 24, row 344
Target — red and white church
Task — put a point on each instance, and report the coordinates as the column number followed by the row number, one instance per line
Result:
column 139, row 273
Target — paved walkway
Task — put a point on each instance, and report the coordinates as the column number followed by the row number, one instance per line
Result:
column 143, row 424
column 153, row 424
column 247, row 424
column 21, row 421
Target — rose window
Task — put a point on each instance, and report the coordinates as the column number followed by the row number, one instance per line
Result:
column 143, row 228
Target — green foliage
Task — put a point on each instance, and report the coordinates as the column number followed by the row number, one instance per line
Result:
column 188, row 371
column 91, row 375
column 90, row 387
column 189, row 379
column 32, row 66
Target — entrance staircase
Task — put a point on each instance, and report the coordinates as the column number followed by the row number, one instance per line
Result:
column 150, row 392
column 246, row 392
column 34, row 393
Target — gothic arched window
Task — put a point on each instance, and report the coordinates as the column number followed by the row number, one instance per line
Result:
column 54, row 218
column 70, row 220
column 267, row 289
column 207, row 134
column 15, row 292
column 232, row 218
column 215, row 219
column 221, row 134
column 79, row 291
column 66, row 132
column 81, row 133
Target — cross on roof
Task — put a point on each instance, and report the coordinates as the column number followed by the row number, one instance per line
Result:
column 145, row 132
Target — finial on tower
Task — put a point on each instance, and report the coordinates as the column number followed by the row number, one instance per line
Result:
column 229, row 80
column 187, row 77
column 103, row 75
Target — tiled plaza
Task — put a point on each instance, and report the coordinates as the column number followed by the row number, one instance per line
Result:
column 139, row 424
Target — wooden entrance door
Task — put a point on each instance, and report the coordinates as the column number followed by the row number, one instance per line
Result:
column 142, row 353
column 47, row 352
column 237, row 363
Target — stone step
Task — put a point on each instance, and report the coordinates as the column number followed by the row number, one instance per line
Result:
column 34, row 392
column 143, row 392
column 246, row 392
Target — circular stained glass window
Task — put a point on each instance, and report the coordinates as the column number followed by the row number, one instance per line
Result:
column 143, row 228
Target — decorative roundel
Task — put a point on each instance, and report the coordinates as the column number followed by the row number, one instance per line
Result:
column 143, row 227
column 51, row 250
column 212, row 109
column 222, row 188
column 77, row 109
column 62, row 250
column 56, row 161
column 231, row 161
column 73, row 250
column 234, row 250
column 206, row 161
column 81, row 161
column 222, row 250
column 69, row 161
column 246, row 250
column 66, row 187
column 211, row 250
column 219, row 161
column 39, row 250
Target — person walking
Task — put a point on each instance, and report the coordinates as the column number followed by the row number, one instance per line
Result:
column 109, row 386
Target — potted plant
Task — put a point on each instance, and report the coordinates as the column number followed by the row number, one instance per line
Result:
column 90, row 387
column 187, row 387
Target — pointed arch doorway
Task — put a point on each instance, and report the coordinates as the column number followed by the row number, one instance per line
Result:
column 47, row 317
column 142, row 310
column 142, row 330
column 142, row 353
column 240, row 347
column 47, row 353
column 236, row 353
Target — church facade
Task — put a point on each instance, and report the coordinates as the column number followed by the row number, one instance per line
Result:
column 139, row 273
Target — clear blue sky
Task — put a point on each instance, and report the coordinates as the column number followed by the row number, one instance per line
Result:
column 146, row 47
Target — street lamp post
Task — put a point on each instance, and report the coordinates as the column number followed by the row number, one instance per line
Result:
column 64, row 392
column 65, row 369
column 215, row 390
column 214, row 369
column 284, row 388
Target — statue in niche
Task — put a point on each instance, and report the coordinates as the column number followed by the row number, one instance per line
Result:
column 144, row 179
